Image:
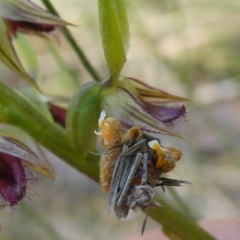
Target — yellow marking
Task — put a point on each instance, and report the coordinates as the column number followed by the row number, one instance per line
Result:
column 167, row 158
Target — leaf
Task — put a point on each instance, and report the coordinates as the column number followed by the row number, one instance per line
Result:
column 123, row 23
column 112, row 35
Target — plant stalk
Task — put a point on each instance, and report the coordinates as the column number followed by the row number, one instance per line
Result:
column 18, row 112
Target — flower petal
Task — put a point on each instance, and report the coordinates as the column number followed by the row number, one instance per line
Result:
column 28, row 158
column 12, row 179
column 28, row 27
column 24, row 16
column 9, row 57
column 153, row 93
column 130, row 110
column 164, row 114
column 58, row 113
column 27, row 11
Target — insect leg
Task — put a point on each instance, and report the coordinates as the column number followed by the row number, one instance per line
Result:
column 134, row 149
column 145, row 222
column 145, row 169
column 170, row 182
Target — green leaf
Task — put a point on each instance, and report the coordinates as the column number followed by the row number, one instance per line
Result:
column 82, row 117
column 9, row 57
column 123, row 23
column 114, row 32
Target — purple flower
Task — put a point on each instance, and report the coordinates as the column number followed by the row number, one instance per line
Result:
column 12, row 179
column 16, row 160
column 28, row 27
column 22, row 16
column 25, row 16
column 137, row 104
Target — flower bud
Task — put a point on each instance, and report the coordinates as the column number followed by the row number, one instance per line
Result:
column 82, row 116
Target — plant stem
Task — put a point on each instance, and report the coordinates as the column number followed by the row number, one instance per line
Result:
column 79, row 52
column 176, row 225
column 18, row 112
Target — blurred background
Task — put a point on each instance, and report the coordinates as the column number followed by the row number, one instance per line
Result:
column 187, row 48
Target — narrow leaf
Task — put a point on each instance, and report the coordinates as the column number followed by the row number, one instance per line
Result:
column 112, row 38
column 123, row 22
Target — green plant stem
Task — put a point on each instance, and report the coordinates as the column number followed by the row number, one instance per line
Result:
column 17, row 112
column 176, row 225
column 81, row 56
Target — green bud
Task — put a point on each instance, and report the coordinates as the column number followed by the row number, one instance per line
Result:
column 82, row 116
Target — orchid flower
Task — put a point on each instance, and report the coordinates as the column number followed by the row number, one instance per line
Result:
column 22, row 16
column 17, row 162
